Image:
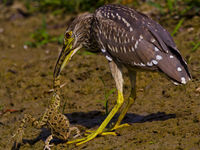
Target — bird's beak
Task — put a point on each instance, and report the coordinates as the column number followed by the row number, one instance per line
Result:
column 65, row 55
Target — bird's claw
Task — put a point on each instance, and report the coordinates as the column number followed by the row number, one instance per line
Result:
column 103, row 133
column 47, row 147
column 89, row 137
column 119, row 126
column 86, row 139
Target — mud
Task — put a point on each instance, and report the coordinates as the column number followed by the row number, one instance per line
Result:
column 163, row 117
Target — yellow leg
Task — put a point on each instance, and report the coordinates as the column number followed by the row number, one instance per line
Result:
column 120, row 101
column 132, row 76
column 117, row 75
column 123, row 113
column 103, row 133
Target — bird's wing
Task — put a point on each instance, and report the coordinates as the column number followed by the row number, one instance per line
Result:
column 113, row 38
column 120, row 32
column 133, row 38
column 164, row 39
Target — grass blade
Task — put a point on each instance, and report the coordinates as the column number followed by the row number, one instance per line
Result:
column 156, row 5
column 177, row 26
column 196, row 46
column 170, row 5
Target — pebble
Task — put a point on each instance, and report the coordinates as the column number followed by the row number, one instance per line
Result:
column 47, row 51
column 12, row 45
column 25, row 47
column 198, row 90
column 1, row 30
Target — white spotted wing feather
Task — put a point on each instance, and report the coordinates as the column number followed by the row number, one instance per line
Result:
column 134, row 39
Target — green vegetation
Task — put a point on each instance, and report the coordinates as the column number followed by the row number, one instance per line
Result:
column 177, row 7
column 106, row 95
column 180, row 10
column 195, row 46
column 41, row 37
column 170, row 4
column 177, row 26
column 1, row 107
column 173, row 7
column 61, row 6
column 156, row 5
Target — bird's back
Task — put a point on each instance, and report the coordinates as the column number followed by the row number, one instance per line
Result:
column 135, row 40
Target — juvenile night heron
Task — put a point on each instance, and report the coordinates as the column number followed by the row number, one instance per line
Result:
column 127, row 38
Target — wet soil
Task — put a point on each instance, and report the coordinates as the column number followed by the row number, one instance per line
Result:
column 163, row 117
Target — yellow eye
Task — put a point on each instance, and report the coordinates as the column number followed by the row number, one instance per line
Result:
column 68, row 35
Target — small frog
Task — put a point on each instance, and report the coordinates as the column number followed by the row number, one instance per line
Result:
column 60, row 127
column 52, row 119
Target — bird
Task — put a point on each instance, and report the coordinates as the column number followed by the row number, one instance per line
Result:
column 127, row 38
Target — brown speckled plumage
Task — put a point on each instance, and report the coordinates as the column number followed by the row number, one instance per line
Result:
column 135, row 40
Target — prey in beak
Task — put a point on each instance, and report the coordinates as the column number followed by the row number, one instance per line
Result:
column 68, row 50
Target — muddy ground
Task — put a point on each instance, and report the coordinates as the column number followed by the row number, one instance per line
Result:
column 164, row 116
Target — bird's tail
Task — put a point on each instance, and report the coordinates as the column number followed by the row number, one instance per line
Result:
column 175, row 68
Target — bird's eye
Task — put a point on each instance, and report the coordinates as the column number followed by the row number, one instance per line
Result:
column 68, row 35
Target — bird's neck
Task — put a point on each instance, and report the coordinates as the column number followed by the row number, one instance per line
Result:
column 84, row 32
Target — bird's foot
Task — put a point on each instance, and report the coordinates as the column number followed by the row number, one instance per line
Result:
column 103, row 133
column 82, row 140
column 110, row 131
column 119, row 126
column 89, row 137
column 92, row 134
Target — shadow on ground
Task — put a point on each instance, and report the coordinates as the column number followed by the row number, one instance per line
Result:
column 95, row 118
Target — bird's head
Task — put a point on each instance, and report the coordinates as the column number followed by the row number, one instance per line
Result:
column 76, row 36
